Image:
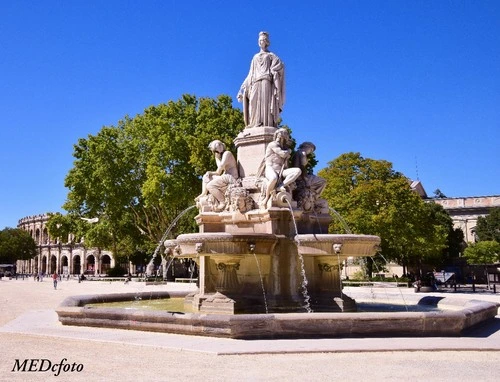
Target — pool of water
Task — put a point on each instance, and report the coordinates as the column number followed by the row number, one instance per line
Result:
column 176, row 304
column 364, row 306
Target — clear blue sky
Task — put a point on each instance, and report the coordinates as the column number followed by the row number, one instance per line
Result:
column 416, row 83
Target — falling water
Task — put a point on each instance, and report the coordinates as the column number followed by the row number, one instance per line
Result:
column 348, row 231
column 169, row 264
column 317, row 221
column 164, row 237
column 192, row 268
column 373, row 284
column 341, row 220
column 340, row 278
column 305, row 293
column 397, row 286
column 372, row 291
column 261, row 281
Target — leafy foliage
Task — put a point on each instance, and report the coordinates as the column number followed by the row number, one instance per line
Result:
column 61, row 226
column 136, row 177
column 375, row 199
column 483, row 252
column 16, row 244
column 488, row 228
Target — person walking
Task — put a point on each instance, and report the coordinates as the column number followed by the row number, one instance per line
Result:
column 55, row 277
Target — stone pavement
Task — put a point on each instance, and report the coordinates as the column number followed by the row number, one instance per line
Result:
column 29, row 329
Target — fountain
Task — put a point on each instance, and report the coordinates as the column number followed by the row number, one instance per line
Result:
column 267, row 266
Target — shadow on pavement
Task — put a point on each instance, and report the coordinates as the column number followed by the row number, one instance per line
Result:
column 485, row 330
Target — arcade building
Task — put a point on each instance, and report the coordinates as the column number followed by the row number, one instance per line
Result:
column 69, row 258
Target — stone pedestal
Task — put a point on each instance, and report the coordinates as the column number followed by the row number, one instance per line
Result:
column 251, row 144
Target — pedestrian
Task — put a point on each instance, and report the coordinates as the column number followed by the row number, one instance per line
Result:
column 55, row 277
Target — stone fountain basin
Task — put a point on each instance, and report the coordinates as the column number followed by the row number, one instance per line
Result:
column 222, row 243
column 456, row 317
column 337, row 245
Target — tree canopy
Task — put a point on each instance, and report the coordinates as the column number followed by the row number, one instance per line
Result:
column 488, row 227
column 483, row 252
column 137, row 176
column 374, row 199
column 16, row 244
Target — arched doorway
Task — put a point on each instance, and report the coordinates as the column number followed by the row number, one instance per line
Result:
column 64, row 265
column 43, row 267
column 90, row 265
column 53, row 264
column 105, row 263
column 45, row 236
column 77, row 264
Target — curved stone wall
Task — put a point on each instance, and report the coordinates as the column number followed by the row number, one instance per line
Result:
column 66, row 257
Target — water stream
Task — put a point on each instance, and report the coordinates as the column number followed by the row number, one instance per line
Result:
column 150, row 266
column 385, row 285
column 341, row 220
column 340, row 272
column 397, row 286
column 317, row 221
column 305, row 292
column 261, row 281
column 163, row 238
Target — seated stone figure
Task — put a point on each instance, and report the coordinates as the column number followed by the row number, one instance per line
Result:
column 216, row 182
column 309, row 186
column 278, row 175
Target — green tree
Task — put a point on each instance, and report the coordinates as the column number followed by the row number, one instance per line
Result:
column 61, row 226
column 455, row 236
column 16, row 244
column 488, row 227
column 136, row 177
column 374, row 199
column 483, row 252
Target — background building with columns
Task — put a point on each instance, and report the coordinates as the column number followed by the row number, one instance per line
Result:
column 465, row 212
column 53, row 255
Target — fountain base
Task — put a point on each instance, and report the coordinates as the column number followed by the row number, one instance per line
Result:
column 458, row 316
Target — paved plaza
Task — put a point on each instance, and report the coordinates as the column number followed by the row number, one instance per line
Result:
column 30, row 330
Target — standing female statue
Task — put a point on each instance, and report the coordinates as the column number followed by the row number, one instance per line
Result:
column 263, row 91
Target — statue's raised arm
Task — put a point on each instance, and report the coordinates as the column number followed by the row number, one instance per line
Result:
column 263, row 91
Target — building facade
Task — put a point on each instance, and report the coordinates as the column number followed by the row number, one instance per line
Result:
column 53, row 255
column 466, row 211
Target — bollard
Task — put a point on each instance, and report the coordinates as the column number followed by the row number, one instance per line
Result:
column 494, row 288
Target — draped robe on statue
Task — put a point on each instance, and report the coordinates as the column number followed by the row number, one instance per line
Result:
column 264, row 90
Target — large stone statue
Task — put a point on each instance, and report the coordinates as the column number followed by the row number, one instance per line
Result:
column 309, row 186
column 263, row 91
column 276, row 165
column 216, row 182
